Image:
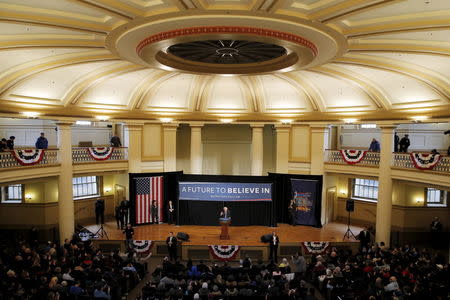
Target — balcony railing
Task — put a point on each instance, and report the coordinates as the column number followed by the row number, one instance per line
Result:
column 81, row 155
column 403, row 161
column 7, row 159
column 371, row 159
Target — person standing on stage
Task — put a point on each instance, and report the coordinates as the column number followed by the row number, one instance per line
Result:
column 170, row 213
column 274, row 242
column 124, row 212
column 154, row 213
column 364, row 239
column 225, row 213
column 100, row 211
column 118, row 216
column 172, row 242
column 292, row 210
column 129, row 232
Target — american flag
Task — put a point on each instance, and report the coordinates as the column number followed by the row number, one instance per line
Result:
column 147, row 190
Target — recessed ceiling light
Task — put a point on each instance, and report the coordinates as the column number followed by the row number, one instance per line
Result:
column 166, row 120
column 419, row 118
column 31, row 114
column 350, row 121
column 286, row 121
column 226, row 120
column 83, row 123
column 102, row 118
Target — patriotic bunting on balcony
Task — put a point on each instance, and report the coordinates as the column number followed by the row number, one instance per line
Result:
column 100, row 153
column 352, row 156
column 315, row 247
column 142, row 247
column 425, row 161
column 223, row 253
column 28, row 157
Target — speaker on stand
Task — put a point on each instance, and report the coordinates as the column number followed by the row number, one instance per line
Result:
column 350, row 207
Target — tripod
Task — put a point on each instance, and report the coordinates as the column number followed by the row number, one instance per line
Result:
column 349, row 232
column 101, row 232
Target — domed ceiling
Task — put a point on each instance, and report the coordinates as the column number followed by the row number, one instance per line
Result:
column 209, row 59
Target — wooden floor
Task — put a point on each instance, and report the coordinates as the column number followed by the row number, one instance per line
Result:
column 239, row 235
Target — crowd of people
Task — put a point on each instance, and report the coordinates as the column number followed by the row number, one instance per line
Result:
column 223, row 281
column 76, row 270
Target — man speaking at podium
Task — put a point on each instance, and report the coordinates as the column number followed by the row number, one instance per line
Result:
column 225, row 214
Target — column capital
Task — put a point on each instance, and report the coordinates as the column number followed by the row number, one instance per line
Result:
column 134, row 125
column 282, row 128
column 170, row 126
column 196, row 124
column 318, row 128
column 256, row 125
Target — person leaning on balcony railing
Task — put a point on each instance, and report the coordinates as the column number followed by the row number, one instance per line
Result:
column 115, row 141
column 42, row 142
column 374, row 146
column 10, row 142
column 3, row 145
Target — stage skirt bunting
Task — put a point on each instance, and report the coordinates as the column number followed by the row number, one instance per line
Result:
column 225, row 191
column 224, row 253
column 315, row 247
column 100, row 153
column 425, row 161
column 305, row 197
column 142, row 247
column 352, row 156
column 28, row 157
column 147, row 190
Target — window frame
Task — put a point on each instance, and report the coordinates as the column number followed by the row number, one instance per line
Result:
column 443, row 197
column 85, row 186
column 362, row 198
column 5, row 194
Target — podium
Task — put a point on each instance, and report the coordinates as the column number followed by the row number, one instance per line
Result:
column 224, row 223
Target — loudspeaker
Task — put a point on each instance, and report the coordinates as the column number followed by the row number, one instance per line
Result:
column 266, row 238
column 182, row 236
column 350, row 205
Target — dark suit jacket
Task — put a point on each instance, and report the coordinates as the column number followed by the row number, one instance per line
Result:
column 364, row 237
column 271, row 241
column 174, row 241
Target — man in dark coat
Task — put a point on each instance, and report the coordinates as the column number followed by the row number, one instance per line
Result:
column 115, row 141
column 274, row 242
column 10, row 142
column 154, row 213
column 119, row 219
column 404, row 143
column 100, row 211
column 170, row 212
column 292, row 211
column 396, row 141
column 364, row 239
column 3, row 145
column 171, row 243
column 42, row 142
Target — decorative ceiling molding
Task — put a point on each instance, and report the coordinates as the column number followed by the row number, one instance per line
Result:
column 372, row 90
column 198, row 94
column 15, row 74
column 140, row 100
column 88, row 80
column 428, row 47
column 358, row 10
column 111, row 12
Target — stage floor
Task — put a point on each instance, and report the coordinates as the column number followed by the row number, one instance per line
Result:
column 239, row 235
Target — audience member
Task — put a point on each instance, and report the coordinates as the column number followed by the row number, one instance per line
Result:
column 374, row 146
column 10, row 142
column 115, row 141
column 396, row 141
column 404, row 143
column 42, row 142
column 3, row 145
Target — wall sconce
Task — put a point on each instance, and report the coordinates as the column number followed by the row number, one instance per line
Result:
column 108, row 189
column 343, row 193
column 419, row 201
column 28, row 196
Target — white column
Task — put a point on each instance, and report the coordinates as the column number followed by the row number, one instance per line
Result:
column 384, row 204
column 66, row 211
column 196, row 148
column 257, row 149
column 134, row 143
column 317, row 161
column 170, row 147
column 283, row 146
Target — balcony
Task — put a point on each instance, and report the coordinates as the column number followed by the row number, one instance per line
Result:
column 8, row 160
column 371, row 159
column 83, row 155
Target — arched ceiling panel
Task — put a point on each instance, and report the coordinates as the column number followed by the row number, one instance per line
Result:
column 225, row 95
column 114, row 91
column 400, row 89
column 339, row 95
column 172, row 95
column 281, row 96
column 53, row 83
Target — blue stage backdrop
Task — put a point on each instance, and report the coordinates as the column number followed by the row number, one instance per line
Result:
column 305, row 195
column 225, row 191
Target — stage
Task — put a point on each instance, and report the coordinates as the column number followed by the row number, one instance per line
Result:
column 239, row 235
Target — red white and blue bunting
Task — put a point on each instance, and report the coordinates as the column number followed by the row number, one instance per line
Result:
column 142, row 247
column 100, row 153
column 425, row 161
column 28, row 157
column 352, row 156
column 315, row 247
column 224, row 253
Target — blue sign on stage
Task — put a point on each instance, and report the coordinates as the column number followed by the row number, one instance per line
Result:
column 225, row 191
